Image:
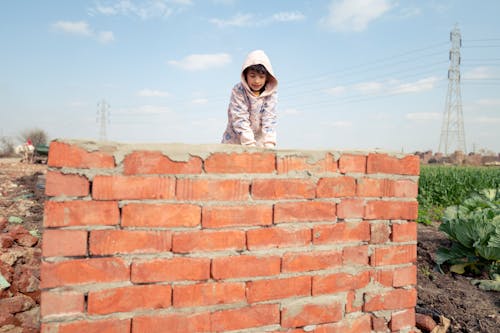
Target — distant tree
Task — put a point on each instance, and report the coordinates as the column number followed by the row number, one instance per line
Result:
column 6, row 147
column 36, row 135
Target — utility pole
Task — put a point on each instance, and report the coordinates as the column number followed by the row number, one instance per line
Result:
column 452, row 129
column 102, row 119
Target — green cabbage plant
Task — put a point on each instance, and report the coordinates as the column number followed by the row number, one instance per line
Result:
column 474, row 229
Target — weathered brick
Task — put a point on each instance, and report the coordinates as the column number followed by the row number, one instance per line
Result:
column 291, row 163
column 355, row 255
column 351, row 208
column 212, row 189
column 312, row 312
column 161, row 215
column 404, row 232
column 71, row 156
column 402, row 319
column 304, row 211
column 129, row 298
column 380, row 233
column 155, row 162
column 245, row 266
column 83, row 271
column 265, row 290
column 193, row 241
column 405, row 188
column 266, row 238
column 397, row 277
column 107, row 242
column 62, row 303
column 205, row 294
column 352, row 163
column 394, row 255
column 391, row 210
column 94, row 326
column 64, row 243
column 71, row 185
column 247, row 317
column 289, row 188
column 174, row 322
column 173, row 269
column 336, row 187
column 390, row 300
column 341, row 232
column 310, row 261
column 339, row 282
column 118, row 187
column 361, row 324
column 80, row 213
column 383, row 163
column 240, row 163
column 236, row 216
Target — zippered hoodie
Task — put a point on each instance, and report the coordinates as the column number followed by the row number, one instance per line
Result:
column 252, row 119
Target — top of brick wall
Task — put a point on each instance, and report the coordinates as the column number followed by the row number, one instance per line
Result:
column 217, row 158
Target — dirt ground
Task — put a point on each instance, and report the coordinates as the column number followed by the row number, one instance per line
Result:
column 453, row 296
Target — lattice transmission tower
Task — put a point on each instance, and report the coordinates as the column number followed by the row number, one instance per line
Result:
column 102, row 119
column 452, row 129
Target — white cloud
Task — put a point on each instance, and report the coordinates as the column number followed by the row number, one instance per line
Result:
column 409, row 12
column 250, row 20
column 144, row 110
column 290, row 112
column 336, row 91
column 479, row 73
column 415, row 87
column 341, row 124
column 419, row 116
column 487, row 120
column 200, row 101
column 355, row 15
column 196, row 62
column 82, row 28
column 143, row 9
column 152, row 93
column 489, row 102
column 76, row 28
column 369, row 87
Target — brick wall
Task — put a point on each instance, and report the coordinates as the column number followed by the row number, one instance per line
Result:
column 189, row 238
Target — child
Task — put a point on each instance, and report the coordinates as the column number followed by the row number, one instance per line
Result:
column 252, row 108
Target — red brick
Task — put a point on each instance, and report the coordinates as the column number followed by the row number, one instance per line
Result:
column 355, row 255
column 383, row 163
column 304, row 211
column 267, row 238
column 108, row 242
column 397, row 277
column 351, row 209
column 405, row 232
column 339, row 282
column 405, row 188
column 62, row 303
column 71, row 156
column 265, row 290
column 70, row 185
column 352, row 163
column 354, row 303
column 291, row 163
column 379, row 324
column 247, row 317
column 313, row 312
column 402, row 319
column 336, row 187
column 380, row 233
column 161, row 215
column 155, row 162
column 212, row 189
column 240, row 163
column 175, row 322
column 394, row 255
column 361, row 324
column 375, row 187
column 341, row 232
column 205, row 294
column 185, row 242
column 289, row 188
column 390, row 300
column 236, row 216
column 83, row 271
column 245, row 266
column 393, row 210
column 127, row 299
column 80, row 213
column 310, row 261
column 119, row 187
column 64, row 243
column 95, row 326
column 167, row 270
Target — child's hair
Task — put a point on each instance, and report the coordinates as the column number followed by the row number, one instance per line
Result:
column 258, row 68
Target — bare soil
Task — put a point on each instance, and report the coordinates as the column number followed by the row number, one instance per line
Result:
column 453, row 296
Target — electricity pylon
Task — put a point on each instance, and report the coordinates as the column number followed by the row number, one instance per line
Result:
column 452, row 129
column 102, row 118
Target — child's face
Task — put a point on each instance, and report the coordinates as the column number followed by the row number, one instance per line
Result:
column 256, row 80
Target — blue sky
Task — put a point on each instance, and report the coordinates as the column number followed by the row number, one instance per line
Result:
column 353, row 74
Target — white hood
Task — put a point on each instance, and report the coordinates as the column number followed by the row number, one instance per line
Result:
column 255, row 58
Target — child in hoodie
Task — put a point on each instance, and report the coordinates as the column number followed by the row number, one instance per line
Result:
column 252, row 108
